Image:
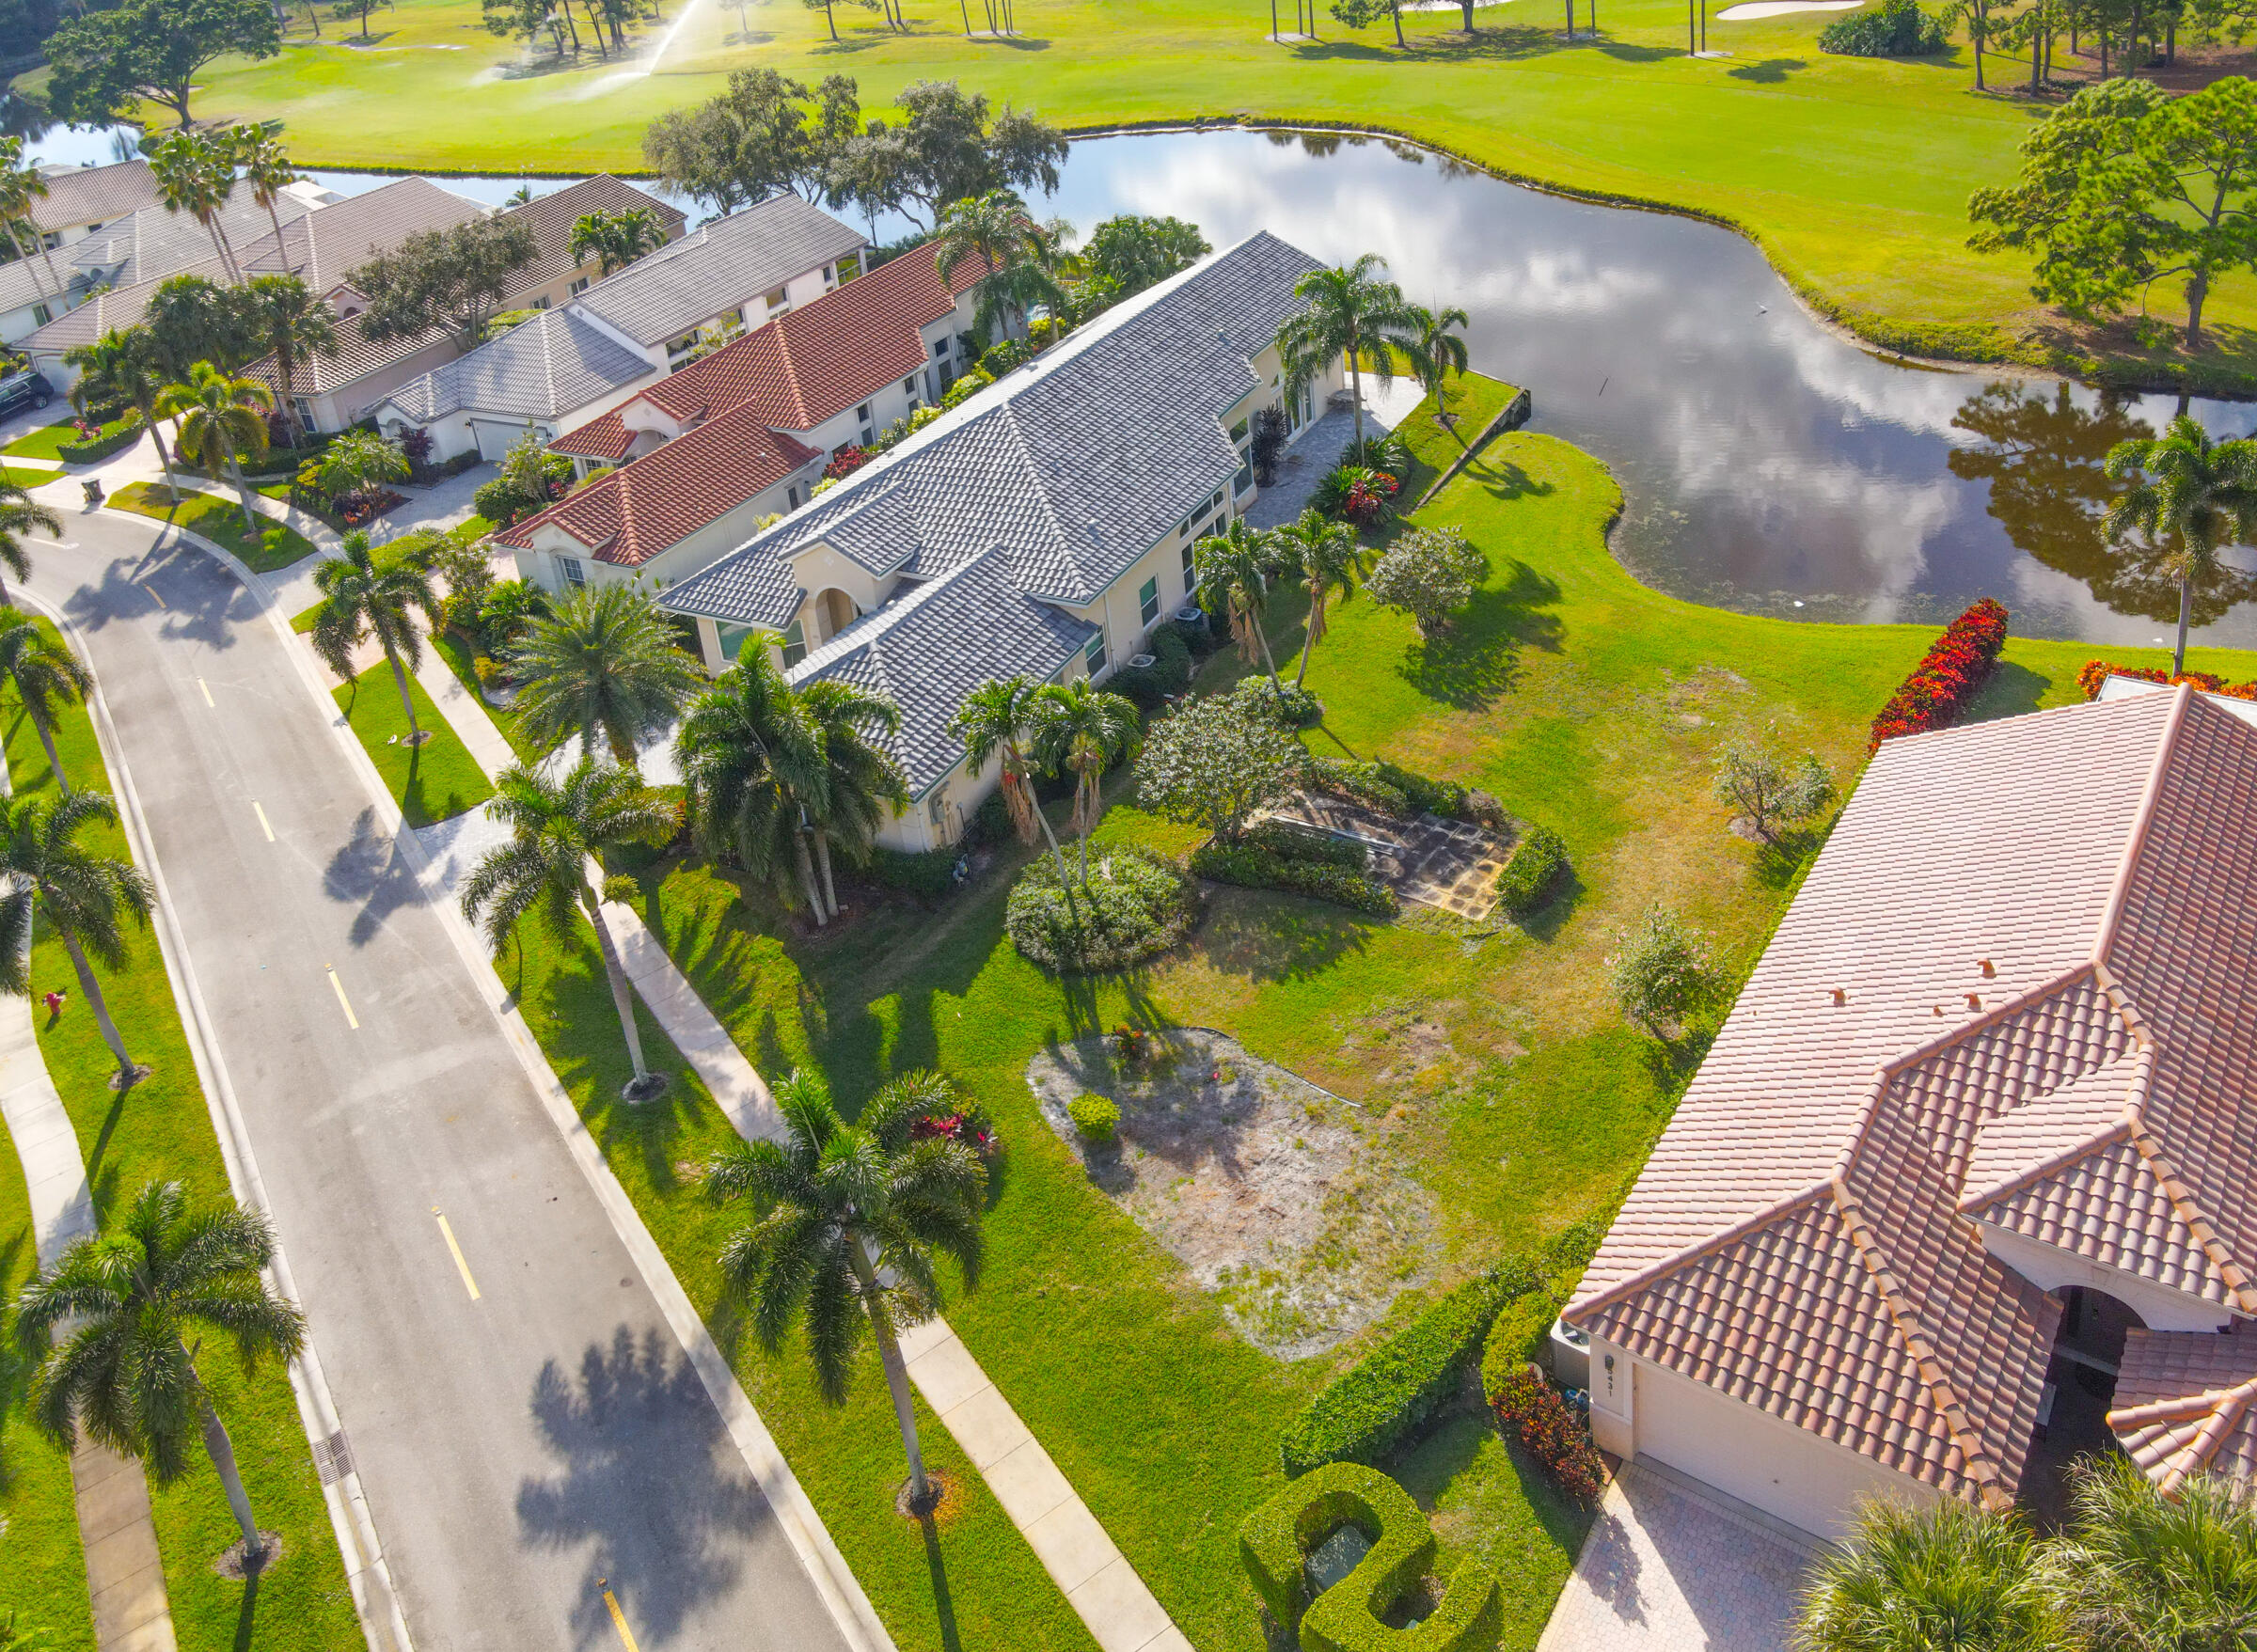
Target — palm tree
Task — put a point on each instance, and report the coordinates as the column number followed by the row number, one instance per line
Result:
column 1435, row 352
column 123, row 367
column 126, row 1301
column 860, row 776
column 997, row 230
column 998, row 716
column 355, row 462
column 557, row 829
column 1228, row 573
column 2191, row 496
column 44, row 673
column 82, row 895
column 604, row 667
column 2148, row 1572
column 850, row 1221
column 1084, row 729
column 196, row 174
column 267, row 169
column 221, row 417
column 1944, row 1578
column 616, row 239
column 1352, row 313
column 20, row 186
column 19, row 516
column 1331, row 555
column 360, row 597
column 286, row 316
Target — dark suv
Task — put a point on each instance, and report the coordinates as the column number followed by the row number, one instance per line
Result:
column 24, row 389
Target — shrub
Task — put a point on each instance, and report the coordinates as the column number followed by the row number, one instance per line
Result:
column 1296, row 708
column 902, row 429
column 974, row 379
column 1396, row 790
column 930, row 873
column 1270, row 429
column 1956, row 665
column 1357, row 493
column 1765, row 793
column 1528, row 880
column 1428, row 574
column 1291, row 842
column 1371, row 1407
column 1534, row 1411
column 501, row 502
column 1517, row 1336
column 1135, row 905
column 99, row 445
column 1426, row 794
column 1660, row 971
column 1359, row 781
column 508, row 610
column 844, row 463
column 1574, row 1245
column 1095, row 1118
column 1384, row 451
column 1215, row 763
column 990, row 822
column 1001, row 357
column 490, row 673
column 1259, row 868
column 1898, row 29
column 1169, row 673
column 2092, row 673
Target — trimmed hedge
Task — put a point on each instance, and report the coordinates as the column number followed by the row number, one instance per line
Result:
column 1371, row 1407
column 930, row 873
column 1950, row 674
column 1253, row 867
column 1537, row 863
column 1170, row 672
column 1275, row 1540
column 2092, row 673
column 100, row 448
column 1135, row 906
column 1518, row 1336
column 1397, row 789
column 1290, row 842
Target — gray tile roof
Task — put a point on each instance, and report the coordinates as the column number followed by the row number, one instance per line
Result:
column 691, row 280
column 326, row 247
column 545, row 367
column 1075, row 465
column 152, row 242
column 931, row 647
column 93, row 194
column 24, row 282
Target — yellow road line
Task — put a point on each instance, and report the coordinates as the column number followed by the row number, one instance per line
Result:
column 153, row 592
column 462, row 1266
column 351, row 1019
column 270, row 838
column 202, row 684
column 619, row 1622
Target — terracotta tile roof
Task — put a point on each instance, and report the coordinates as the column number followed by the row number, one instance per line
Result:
column 2046, row 913
column 807, row 365
column 2184, row 1404
column 641, row 509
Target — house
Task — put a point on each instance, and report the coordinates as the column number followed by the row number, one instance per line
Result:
column 650, row 313
column 744, row 433
column 1964, row 1181
column 1043, row 526
column 82, row 199
column 558, row 276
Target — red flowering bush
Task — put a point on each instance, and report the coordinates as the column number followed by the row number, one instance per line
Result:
column 1549, row 1432
column 968, row 1128
column 2095, row 672
column 845, row 462
column 1370, row 496
column 1956, row 665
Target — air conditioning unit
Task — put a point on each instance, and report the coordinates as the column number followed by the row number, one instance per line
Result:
column 1137, row 662
column 1191, row 614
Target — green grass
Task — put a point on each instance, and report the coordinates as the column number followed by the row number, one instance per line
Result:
column 46, row 442
column 463, row 663
column 433, row 781
column 219, row 519
column 1853, row 173
column 27, row 476
column 161, row 1129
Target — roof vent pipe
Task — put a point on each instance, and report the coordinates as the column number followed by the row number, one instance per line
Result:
column 1989, row 970
column 1841, row 995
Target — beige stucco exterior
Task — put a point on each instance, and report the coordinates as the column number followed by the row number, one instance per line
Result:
column 546, row 563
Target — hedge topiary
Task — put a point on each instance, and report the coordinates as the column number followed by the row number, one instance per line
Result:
column 1369, row 1409
column 1898, row 29
column 1275, row 1540
column 930, row 873
column 101, row 447
column 1097, row 1118
column 1518, row 1336
column 1135, row 906
column 1526, row 880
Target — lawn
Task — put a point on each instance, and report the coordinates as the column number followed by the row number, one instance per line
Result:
column 161, row 1129
column 433, row 781
column 1851, row 173
column 219, row 519
column 463, row 663
column 46, row 442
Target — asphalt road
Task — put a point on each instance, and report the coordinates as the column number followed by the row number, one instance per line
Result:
column 516, row 1448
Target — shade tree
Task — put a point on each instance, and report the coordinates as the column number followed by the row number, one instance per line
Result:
column 103, row 62
column 454, row 278
column 947, row 144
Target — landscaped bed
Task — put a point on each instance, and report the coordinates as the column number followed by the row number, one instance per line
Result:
column 49, row 440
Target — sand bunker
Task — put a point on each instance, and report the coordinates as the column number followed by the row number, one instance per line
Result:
column 1280, row 1197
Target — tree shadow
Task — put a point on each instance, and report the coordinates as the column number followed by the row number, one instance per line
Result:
column 1770, row 71
column 1545, row 923
column 1477, row 659
column 944, row 1605
column 1781, row 862
column 1504, row 479
column 246, row 1614
column 1672, row 1062
column 642, row 1490
column 1267, row 935
column 369, row 869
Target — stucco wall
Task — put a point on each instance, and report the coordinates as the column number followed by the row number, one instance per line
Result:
column 2050, row 1268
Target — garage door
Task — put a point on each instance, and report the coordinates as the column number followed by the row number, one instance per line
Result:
column 495, row 440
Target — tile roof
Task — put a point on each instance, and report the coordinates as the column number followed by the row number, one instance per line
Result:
column 690, row 280
column 641, row 510
column 807, row 365
column 1074, row 465
column 2184, row 1404
column 94, row 195
column 551, row 216
column 932, row 646
column 545, row 368
column 324, row 248
column 2046, row 913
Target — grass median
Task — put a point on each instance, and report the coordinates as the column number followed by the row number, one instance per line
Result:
column 217, row 519
column 162, row 1130
column 433, row 781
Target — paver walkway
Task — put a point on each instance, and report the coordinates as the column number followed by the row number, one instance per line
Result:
column 1088, row 1567
column 1318, row 449
column 1672, row 1565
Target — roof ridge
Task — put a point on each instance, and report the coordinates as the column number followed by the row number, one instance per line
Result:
column 2220, row 1409
column 2236, row 1277
column 2117, row 1129
column 2119, row 891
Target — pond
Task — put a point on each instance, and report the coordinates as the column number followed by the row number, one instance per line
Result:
column 1767, row 463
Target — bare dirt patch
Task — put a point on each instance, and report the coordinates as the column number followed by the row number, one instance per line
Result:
column 1282, row 1199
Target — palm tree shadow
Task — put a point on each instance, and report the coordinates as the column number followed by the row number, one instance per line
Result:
column 370, row 869
column 246, row 1614
column 944, row 1605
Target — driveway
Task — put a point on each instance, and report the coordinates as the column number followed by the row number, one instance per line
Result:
column 1673, row 1565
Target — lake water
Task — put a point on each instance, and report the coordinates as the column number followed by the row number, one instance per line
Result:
column 1766, row 463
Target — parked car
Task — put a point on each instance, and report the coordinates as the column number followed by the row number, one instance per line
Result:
column 24, row 389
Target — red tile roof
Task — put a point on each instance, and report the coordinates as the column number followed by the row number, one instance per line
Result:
column 807, row 365
column 2183, row 1404
column 641, row 509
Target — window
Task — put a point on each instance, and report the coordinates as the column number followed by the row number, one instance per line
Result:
column 1188, row 557
column 1244, row 479
column 1092, row 657
column 579, row 285
column 908, row 387
column 1147, row 600
column 792, row 494
column 850, row 266
column 570, row 571
column 941, row 351
column 795, row 644
column 542, row 301
column 863, row 413
column 776, row 298
column 1216, row 503
column 41, row 314
column 1238, row 431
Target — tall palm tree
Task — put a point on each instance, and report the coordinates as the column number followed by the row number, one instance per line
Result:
column 124, row 367
column 1085, row 728
column 1331, row 555
column 849, row 1222
column 196, row 174
column 861, row 782
column 616, row 240
column 361, row 597
column 2148, row 1572
column 1228, row 573
column 750, row 755
column 257, row 150
column 287, row 317
column 2191, row 496
column 83, row 895
column 127, row 1302
column 557, row 830
column 998, row 716
column 997, row 230
column 1946, row 1578
column 19, row 516
column 1350, row 312
column 1435, row 351
column 20, row 186
column 221, row 417
column 45, row 674
column 604, row 667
